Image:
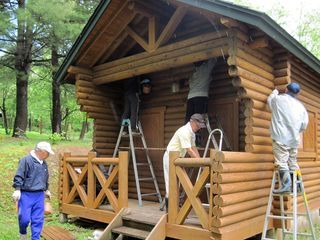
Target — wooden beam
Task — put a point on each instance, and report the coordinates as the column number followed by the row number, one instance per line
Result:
column 260, row 42
column 231, row 23
column 129, row 16
column 80, row 70
column 106, row 26
column 137, row 38
column 152, row 33
column 171, row 26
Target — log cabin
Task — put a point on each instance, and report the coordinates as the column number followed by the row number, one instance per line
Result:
column 162, row 39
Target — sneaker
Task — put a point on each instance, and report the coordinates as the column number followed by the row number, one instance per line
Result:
column 23, row 237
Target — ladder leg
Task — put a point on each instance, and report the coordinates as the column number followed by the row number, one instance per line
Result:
column 305, row 201
column 155, row 182
column 295, row 207
column 266, row 219
column 116, row 148
column 134, row 163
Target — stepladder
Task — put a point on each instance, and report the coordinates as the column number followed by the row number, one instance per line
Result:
column 289, row 212
column 136, row 163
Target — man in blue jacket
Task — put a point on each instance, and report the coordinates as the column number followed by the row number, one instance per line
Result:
column 289, row 119
column 31, row 186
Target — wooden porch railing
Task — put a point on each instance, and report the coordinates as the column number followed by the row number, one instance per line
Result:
column 179, row 176
column 81, row 175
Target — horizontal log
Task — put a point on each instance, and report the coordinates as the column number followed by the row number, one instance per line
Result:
column 192, row 162
column 247, row 93
column 240, row 72
column 257, row 122
column 164, row 49
column 247, row 84
column 241, row 177
column 219, row 212
column 233, row 198
column 242, row 157
column 242, row 167
column 254, row 148
column 257, row 131
column 94, row 97
column 237, row 61
column 260, row 140
column 254, row 60
column 258, row 114
column 231, row 219
column 161, row 65
column 252, row 103
column 227, row 188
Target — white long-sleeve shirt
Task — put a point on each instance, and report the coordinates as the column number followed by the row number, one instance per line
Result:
column 289, row 118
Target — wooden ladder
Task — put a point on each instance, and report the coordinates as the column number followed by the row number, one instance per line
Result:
column 135, row 224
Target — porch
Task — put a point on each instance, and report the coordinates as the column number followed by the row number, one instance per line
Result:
column 229, row 213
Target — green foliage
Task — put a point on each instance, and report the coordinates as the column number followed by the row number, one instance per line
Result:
column 55, row 138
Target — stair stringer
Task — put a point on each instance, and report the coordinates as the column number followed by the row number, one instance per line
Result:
column 116, row 222
column 159, row 230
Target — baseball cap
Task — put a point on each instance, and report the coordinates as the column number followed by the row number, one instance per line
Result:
column 294, row 87
column 45, row 146
column 145, row 81
column 199, row 119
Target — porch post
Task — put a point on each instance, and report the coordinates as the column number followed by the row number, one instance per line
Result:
column 91, row 181
column 173, row 189
column 123, row 180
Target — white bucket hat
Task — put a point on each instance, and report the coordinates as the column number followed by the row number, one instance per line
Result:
column 44, row 146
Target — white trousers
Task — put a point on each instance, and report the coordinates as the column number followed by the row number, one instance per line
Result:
column 166, row 171
column 285, row 158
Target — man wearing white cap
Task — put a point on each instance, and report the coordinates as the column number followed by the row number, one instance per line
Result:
column 31, row 186
column 183, row 141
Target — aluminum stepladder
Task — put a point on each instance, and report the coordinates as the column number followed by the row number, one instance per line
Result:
column 126, row 123
column 298, row 189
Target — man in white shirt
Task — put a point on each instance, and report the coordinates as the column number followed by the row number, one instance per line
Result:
column 289, row 119
column 183, row 141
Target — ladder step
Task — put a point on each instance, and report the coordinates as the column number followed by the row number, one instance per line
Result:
column 131, row 232
column 146, row 179
column 301, row 234
column 149, row 194
column 298, row 214
column 280, row 217
column 268, row 239
column 142, row 164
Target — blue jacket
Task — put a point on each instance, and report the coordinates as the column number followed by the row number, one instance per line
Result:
column 31, row 175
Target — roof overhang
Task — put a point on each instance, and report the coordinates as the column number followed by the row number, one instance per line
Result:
column 242, row 14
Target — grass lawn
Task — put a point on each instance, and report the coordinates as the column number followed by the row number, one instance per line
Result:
column 11, row 150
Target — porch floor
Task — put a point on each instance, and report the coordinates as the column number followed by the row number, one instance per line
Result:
column 150, row 213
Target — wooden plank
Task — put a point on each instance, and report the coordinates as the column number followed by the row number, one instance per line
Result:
column 56, row 233
column 171, row 26
column 159, row 231
column 137, row 38
column 188, row 232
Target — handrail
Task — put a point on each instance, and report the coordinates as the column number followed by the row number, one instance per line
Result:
column 85, row 174
column 179, row 177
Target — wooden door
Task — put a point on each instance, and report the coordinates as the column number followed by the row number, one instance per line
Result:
column 226, row 110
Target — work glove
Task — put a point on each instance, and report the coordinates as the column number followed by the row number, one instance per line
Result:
column 47, row 194
column 16, row 195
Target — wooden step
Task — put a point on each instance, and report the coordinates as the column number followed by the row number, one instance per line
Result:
column 131, row 232
column 145, row 217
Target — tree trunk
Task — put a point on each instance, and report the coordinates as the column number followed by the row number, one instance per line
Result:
column 30, row 123
column 22, row 66
column 56, row 104
column 84, row 128
column 4, row 116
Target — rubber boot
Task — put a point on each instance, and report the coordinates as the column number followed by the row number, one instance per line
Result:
column 285, row 186
column 166, row 200
column 299, row 189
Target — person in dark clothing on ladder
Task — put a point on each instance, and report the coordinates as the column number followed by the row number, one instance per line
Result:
column 289, row 119
column 31, row 186
column 131, row 95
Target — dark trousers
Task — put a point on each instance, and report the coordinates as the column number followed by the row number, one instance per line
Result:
column 131, row 104
column 196, row 105
column 31, row 208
